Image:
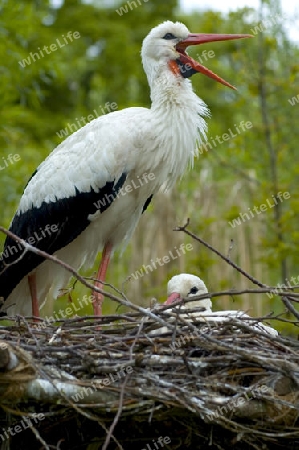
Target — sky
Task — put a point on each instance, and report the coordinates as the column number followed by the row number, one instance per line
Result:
column 289, row 8
column 218, row 5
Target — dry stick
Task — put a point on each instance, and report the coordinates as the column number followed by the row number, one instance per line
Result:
column 32, row 334
column 33, row 429
column 227, row 292
column 124, row 301
column 117, row 416
column 235, row 266
column 38, row 437
column 81, row 411
column 121, row 397
column 289, row 305
column 122, row 392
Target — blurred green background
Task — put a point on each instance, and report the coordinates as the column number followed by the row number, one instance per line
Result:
column 42, row 97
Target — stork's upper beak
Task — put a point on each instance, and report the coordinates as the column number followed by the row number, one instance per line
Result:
column 173, row 298
column 189, row 66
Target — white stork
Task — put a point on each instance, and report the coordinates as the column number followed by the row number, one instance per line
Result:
column 84, row 192
column 186, row 286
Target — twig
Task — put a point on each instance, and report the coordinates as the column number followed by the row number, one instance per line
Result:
column 231, row 263
column 239, row 269
column 230, row 247
column 117, row 415
column 289, row 305
column 124, row 301
column 38, row 437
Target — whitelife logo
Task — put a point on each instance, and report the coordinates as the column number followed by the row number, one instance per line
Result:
column 267, row 23
column 10, row 159
column 48, row 49
column 84, row 120
column 37, row 236
column 281, row 287
column 241, row 127
column 132, row 5
column 99, row 384
column 172, row 254
column 25, row 423
column 109, row 198
column 157, row 444
column 231, row 406
column 259, row 209
column 294, row 100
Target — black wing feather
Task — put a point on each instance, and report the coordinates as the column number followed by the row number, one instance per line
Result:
column 148, row 200
column 68, row 217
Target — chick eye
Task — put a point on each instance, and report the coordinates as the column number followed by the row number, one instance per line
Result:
column 169, row 36
column 193, row 290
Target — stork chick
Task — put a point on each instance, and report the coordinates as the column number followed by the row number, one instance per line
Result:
column 186, row 285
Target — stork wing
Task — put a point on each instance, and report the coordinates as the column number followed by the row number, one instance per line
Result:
column 81, row 177
column 49, row 227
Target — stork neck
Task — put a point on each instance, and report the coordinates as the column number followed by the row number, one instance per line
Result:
column 176, row 123
column 171, row 94
column 170, row 90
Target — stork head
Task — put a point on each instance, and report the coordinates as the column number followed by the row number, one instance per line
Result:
column 186, row 286
column 164, row 48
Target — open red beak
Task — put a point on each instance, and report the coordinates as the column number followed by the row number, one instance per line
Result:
column 173, row 298
column 197, row 39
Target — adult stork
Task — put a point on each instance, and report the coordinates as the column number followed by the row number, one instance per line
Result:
column 187, row 286
column 85, row 191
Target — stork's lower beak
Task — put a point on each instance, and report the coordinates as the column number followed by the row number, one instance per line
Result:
column 173, row 298
column 189, row 66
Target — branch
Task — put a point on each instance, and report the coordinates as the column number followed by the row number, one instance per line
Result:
column 235, row 266
column 285, row 298
column 123, row 301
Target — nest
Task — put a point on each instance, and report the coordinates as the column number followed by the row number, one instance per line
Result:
column 147, row 380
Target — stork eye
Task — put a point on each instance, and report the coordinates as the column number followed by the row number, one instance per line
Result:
column 193, row 290
column 169, row 36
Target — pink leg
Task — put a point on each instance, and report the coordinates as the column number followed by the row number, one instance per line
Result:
column 33, row 292
column 97, row 297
